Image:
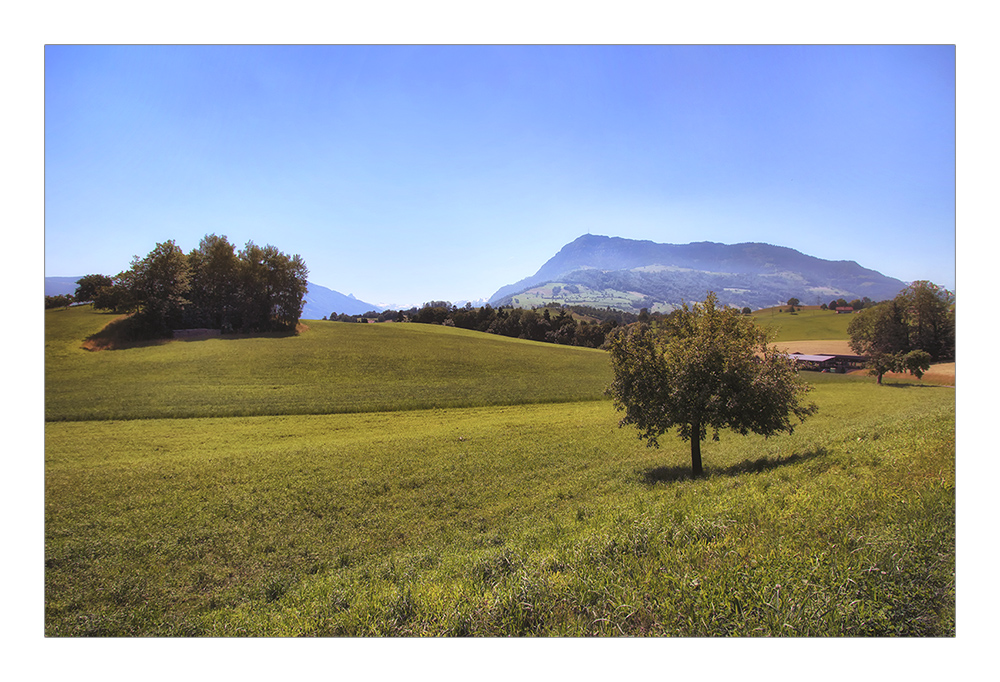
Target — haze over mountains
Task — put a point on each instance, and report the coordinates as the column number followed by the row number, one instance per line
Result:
column 631, row 274
column 321, row 302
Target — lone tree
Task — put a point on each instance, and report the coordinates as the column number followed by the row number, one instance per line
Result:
column 704, row 367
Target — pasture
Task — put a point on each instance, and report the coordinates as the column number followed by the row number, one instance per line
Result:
column 514, row 507
column 332, row 367
column 804, row 324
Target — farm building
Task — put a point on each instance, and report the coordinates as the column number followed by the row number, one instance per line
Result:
column 844, row 309
column 827, row 363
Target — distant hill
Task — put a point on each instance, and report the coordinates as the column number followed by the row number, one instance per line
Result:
column 629, row 275
column 320, row 301
column 60, row 286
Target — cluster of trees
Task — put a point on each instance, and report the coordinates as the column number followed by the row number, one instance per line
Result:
column 86, row 290
column 256, row 290
column 907, row 333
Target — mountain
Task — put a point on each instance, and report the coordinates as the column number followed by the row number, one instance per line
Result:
column 60, row 286
column 320, row 301
column 629, row 274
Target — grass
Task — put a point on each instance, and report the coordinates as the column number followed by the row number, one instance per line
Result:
column 332, row 367
column 802, row 325
column 522, row 519
column 533, row 519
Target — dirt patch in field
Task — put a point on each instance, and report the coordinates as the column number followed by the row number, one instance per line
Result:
column 941, row 374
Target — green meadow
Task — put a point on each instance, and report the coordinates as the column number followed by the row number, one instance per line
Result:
column 333, row 367
column 412, row 480
column 804, row 324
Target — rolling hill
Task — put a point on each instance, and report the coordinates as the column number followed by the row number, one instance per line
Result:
column 629, row 275
column 333, row 367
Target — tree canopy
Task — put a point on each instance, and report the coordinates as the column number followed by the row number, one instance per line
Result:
column 704, row 367
column 88, row 286
column 260, row 289
column 906, row 333
column 159, row 284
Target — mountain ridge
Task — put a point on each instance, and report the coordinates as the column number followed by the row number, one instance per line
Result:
column 753, row 274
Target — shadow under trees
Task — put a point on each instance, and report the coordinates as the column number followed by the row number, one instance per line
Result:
column 126, row 332
column 682, row 472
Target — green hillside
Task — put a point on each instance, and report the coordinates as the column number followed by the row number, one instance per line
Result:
column 563, row 293
column 803, row 325
column 286, row 504
column 332, row 367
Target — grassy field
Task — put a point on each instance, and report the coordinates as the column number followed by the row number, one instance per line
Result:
column 802, row 325
column 332, row 367
column 532, row 517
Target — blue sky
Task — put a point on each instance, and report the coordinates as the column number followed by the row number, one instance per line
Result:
column 403, row 174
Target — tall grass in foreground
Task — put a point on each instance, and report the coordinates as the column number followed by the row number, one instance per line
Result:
column 527, row 520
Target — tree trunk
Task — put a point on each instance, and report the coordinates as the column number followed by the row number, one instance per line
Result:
column 696, row 469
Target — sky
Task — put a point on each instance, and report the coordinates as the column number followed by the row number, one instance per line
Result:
column 405, row 174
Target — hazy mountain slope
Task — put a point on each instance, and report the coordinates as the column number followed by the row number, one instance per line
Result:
column 750, row 274
column 60, row 286
column 321, row 301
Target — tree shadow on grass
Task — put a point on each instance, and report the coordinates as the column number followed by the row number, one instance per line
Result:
column 119, row 334
column 299, row 329
column 893, row 384
column 123, row 333
column 673, row 474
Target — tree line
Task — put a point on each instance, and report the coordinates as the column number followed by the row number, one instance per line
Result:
column 257, row 289
column 554, row 324
column 59, row 301
column 904, row 334
column 856, row 304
